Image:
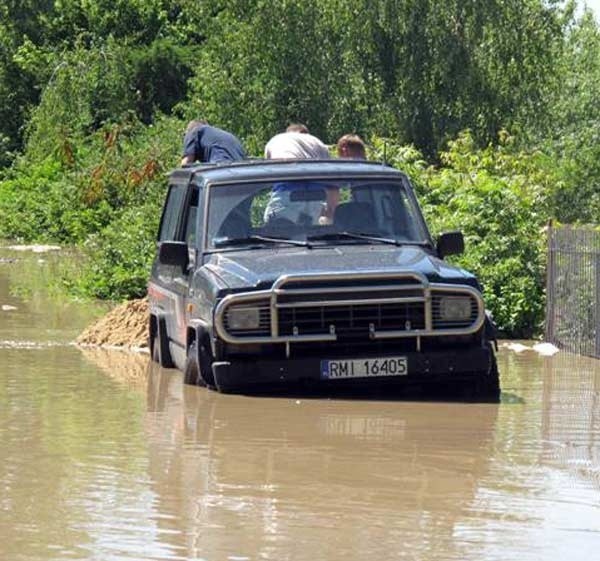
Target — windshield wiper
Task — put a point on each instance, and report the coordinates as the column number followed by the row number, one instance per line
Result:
column 366, row 237
column 353, row 236
column 220, row 242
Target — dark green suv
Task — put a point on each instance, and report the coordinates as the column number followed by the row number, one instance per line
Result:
column 276, row 274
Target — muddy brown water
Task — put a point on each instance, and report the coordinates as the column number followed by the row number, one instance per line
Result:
column 104, row 457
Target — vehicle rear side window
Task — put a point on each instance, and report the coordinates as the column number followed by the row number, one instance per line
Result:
column 168, row 225
column 192, row 218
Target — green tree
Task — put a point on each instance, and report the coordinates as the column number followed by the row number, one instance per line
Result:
column 571, row 136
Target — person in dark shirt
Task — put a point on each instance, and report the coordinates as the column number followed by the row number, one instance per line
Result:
column 208, row 144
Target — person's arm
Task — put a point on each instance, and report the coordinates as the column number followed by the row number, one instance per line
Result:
column 328, row 210
column 333, row 200
column 187, row 160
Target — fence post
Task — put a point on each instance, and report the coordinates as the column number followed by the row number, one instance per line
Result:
column 597, row 310
column 550, row 287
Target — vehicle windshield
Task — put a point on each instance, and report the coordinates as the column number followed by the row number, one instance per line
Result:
column 314, row 212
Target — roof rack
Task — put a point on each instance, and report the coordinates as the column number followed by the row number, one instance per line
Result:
column 277, row 161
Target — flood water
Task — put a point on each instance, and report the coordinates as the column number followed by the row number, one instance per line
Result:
column 104, row 457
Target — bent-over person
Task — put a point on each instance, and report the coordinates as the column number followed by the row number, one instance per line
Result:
column 208, row 144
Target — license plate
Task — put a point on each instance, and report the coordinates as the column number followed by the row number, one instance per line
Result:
column 364, row 368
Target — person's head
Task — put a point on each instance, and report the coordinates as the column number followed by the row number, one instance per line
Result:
column 297, row 127
column 351, row 146
column 194, row 124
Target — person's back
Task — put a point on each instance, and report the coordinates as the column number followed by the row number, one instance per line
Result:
column 209, row 144
column 295, row 144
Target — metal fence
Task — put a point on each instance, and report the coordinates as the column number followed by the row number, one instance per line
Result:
column 573, row 290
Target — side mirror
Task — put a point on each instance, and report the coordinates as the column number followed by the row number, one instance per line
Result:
column 450, row 243
column 174, row 253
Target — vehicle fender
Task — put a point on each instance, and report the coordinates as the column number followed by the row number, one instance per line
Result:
column 196, row 331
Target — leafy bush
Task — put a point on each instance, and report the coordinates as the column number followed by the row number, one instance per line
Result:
column 497, row 197
column 40, row 204
column 118, row 257
column 107, row 200
column 119, row 166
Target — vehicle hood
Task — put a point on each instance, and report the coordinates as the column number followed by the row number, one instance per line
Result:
column 259, row 268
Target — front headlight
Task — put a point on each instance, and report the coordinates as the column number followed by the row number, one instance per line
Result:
column 240, row 317
column 455, row 308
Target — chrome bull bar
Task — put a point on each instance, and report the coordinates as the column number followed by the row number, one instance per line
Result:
column 407, row 281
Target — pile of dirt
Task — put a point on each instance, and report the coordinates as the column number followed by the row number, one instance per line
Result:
column 126, row 326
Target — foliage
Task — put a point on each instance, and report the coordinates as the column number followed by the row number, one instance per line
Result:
column 65, row 198
column 497, row 197
column 419, row 71
column 119, row 256
column 136, row 53
column 37, row 204
column 573, row 135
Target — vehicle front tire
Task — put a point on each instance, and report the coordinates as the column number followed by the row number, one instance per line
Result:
column 206, row 359
column 191, row 371
column 198, row 366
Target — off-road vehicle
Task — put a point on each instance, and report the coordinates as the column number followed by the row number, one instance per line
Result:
column 276, row 274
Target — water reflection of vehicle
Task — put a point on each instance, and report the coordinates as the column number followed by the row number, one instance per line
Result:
column 259, row 472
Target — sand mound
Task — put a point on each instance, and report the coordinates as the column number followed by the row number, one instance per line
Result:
column 124, row 326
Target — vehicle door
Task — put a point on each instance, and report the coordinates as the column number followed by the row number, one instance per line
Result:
column 188, row 233
column 162, row 286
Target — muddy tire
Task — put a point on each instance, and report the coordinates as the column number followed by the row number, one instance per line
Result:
column 160, row 351
column 206, row 360
column 198, row 366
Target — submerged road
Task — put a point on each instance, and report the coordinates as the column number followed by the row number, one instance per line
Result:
column 106, row 457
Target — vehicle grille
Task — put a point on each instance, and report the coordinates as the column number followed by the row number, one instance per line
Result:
column 352, row 319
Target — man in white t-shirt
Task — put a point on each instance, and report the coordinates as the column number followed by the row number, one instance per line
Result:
column 296, row 143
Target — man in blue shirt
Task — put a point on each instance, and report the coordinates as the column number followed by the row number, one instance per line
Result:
column 208, row 144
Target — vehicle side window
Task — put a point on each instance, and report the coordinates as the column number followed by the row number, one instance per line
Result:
column 168, row 225
column 191, row 222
